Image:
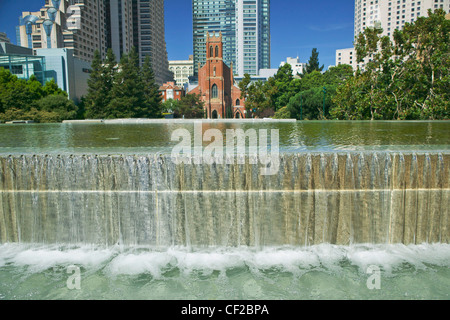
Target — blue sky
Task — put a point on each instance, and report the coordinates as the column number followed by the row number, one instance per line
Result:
column 297, row 26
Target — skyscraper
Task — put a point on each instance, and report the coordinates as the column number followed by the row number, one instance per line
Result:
column 119, row 27
column 214, row 16
column 149, row 36
column 245, row 28
column 252, row 36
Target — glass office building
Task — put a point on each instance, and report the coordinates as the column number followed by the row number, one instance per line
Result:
column 214, row 16
column 252, row 36
column 245, row 27
column 24, row 66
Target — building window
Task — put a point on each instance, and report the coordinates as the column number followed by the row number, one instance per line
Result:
column 214, row 92
column 217, row 51
column 238, row 102
column 211, row 52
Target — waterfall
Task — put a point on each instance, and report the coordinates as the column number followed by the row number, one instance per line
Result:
column 338, row 198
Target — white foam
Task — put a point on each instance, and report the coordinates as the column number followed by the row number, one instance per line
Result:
column 38, row 259
column 296, row 260
column 133, row 264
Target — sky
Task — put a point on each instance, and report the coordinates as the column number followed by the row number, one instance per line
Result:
column 297, row 26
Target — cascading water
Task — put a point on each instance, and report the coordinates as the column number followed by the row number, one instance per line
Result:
column 337, row 198
column 110, row 201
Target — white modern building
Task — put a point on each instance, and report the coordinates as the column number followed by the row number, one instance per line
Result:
column 182, row 70
column 346, row 56
column 388, row 15
column 392, row 14
column 297, row 66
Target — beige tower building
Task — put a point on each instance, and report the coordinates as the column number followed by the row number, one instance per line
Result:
column 89, row 25
column 79, row 26
column 182, row 70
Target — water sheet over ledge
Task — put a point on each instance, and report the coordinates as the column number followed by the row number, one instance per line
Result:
column 337, row 198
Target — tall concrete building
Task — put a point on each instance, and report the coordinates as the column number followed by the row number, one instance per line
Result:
column 388, row 15
column 75, row 24
column 252, row 36
column 245, row 28
column 119, row 26
column 89, row 25
column 149, row 36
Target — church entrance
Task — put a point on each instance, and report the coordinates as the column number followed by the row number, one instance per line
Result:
column 214, row 114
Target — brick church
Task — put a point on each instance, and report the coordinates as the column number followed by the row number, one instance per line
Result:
column 216, row 84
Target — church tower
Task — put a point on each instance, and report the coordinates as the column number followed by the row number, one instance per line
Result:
column 215, row 83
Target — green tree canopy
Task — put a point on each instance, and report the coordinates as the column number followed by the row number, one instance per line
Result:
column 189, row 107
column 313, row 63
column 407, row 78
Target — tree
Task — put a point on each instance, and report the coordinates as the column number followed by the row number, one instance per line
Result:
column 54, row 108
column 51, row 88
column 152, row 95
column 244, row 84
column 407, row 78
column 29, row 100
column 283, row 113
column 313, row 63
column 127, row 95
column 338, row 75
column 189, row 107
column 308, row 104
column 100, row 85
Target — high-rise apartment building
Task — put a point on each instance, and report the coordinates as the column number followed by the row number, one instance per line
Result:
column 388, row 15
column 392, row 14
column 252, row 36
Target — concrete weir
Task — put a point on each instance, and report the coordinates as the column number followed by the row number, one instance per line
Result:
column 337, row 198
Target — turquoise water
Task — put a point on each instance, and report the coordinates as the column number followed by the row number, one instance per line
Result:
column 272, row 273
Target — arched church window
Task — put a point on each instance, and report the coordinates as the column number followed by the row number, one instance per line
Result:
column 214, row 92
